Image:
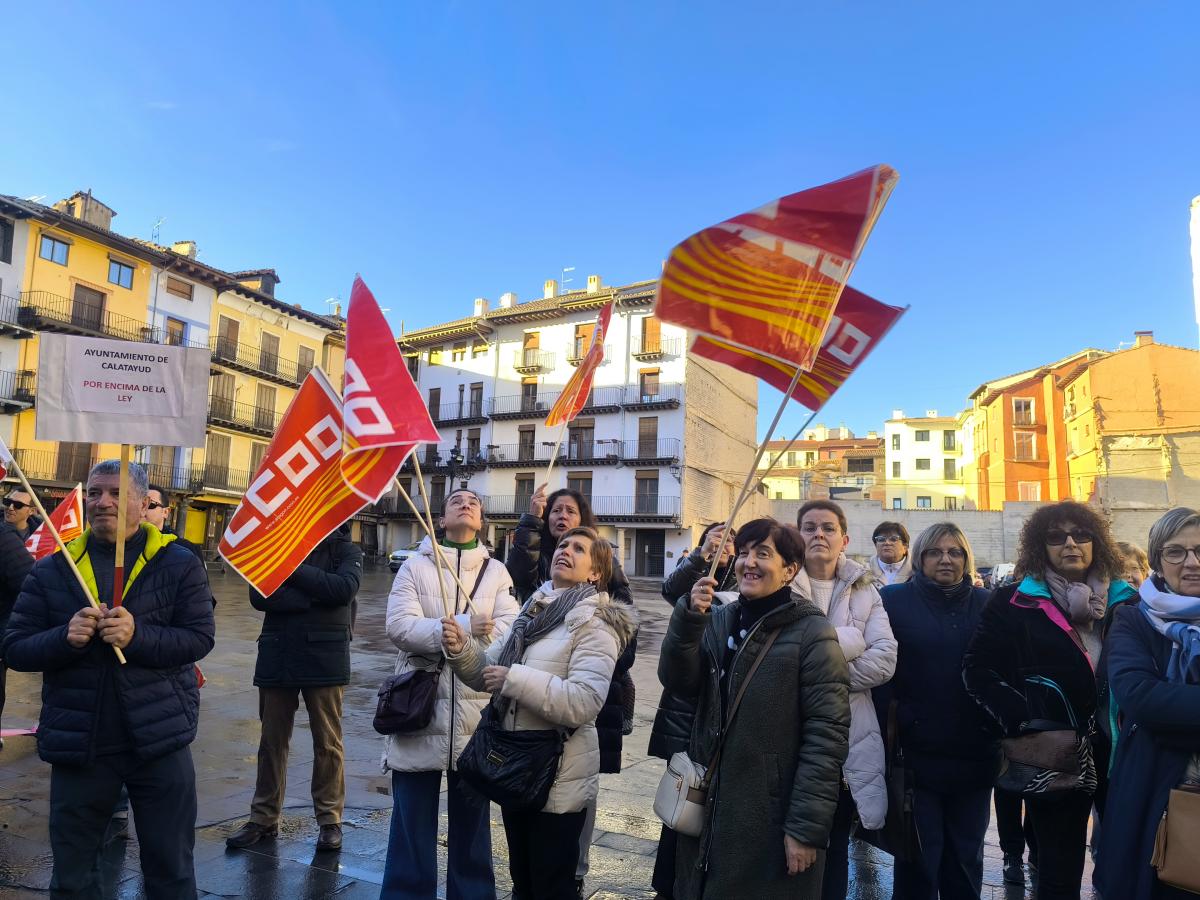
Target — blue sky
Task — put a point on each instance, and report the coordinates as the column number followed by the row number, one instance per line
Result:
column 455, row 150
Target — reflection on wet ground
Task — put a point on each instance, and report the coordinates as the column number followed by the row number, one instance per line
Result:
column 289, row 867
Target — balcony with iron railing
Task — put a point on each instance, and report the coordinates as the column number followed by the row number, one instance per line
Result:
column 528, row 362
column 659, row 396
column 17, row 390
column 579, row 350
column 46, row 311
column 536, row 406
column 571, row 452
column 10, row 318
column 465, row 412
column 652, row 348
column 446, row 456
column 642, row 508
column 62, row 466
column 650, row 451
column 256, row 361
column 228, row 413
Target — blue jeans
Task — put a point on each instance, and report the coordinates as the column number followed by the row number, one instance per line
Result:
column 411, row 871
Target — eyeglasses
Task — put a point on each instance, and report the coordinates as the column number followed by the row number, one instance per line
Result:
column 1057, row 538
column 887, row 539
column 15, row 504
column 154, row 505
column 933, row 553
column 1175, row 554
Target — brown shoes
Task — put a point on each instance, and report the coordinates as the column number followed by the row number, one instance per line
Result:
column 330, row 838
column 249, row 834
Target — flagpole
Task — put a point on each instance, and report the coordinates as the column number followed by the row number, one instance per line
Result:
column 745, row 492
column 427, row 524
column 788, row 446
column 562, row 432
column 438, row 550
column 61, row 546
column 122, row 523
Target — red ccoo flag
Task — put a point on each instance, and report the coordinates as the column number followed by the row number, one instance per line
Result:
column 855, row 329
column 574, row 396
column 768, row 280
column 385, row 417
column 67, row 519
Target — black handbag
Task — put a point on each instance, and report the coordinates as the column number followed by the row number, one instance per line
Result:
column 405, row 702
column 513, row 769
column 898, row 836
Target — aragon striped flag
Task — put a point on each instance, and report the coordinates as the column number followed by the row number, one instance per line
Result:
column 769, row 280
column 859, row 324
column 574, row 396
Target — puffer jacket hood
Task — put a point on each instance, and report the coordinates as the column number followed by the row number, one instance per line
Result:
column 865, row 635
column 415, row 609
column 561, row 682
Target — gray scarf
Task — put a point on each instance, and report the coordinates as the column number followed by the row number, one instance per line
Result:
column 1083, row 602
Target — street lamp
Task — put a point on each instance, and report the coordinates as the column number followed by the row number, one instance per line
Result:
column 454, row 462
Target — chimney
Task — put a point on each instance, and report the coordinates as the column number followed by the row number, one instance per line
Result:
column 594, row 284
column 931, row 414
column 481, row 306
column 549, row 289
column 508, row 300
column 1142, row 338
column 874, row 435
column 185, row 248
column 897, row 414
column 83, row 206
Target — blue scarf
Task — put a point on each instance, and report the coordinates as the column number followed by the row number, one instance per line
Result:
column 1177, row 618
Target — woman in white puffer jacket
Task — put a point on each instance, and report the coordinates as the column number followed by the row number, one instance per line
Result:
column 417, row 759
column 553, row 671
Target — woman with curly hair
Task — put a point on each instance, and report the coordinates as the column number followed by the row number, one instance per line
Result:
column 1032, row 667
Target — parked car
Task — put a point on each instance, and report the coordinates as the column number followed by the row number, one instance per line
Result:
column 396, row 560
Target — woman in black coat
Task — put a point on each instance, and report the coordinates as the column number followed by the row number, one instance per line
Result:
column 948, row 743
column 1153, row 657
column 673, row 721
column 1031, row 666
column 534, row 541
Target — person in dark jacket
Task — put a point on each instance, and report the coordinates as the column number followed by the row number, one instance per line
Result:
column 1031, row 666
column 773, row 796
column 304, row 650
column 533, row 544
column 673, row 722
column 1153, row 653
column 15, row 563
column 19, row 513
column 104, row 725
column 948, row 743
column 158, row 510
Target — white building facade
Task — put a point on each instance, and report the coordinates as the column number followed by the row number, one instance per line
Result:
column 661, row 448
column 16, row 386
column 923, row 457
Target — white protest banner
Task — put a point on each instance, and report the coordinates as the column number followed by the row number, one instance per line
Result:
column 93, row 390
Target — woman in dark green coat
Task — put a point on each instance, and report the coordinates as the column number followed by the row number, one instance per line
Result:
column 772, row 800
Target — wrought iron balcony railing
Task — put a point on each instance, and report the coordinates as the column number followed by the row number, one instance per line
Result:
column 229, row 413
column 256, row 361
column 655, row 348
column 527, row 361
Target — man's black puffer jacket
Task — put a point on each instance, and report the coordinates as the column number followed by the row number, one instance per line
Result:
column 305, row 640
column 172, row 608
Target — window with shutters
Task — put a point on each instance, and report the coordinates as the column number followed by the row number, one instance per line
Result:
column 435, row 403
column 7, row 229
column 437, row 493
column 216, row 459
column 646, row 498
column 179, row 287
column 524, row 492
column 648, row 384
column 525, row 443
column 1024, row 445
column 648, row 437
column 264, row 406
column 581, row 439
column 268, row 353
column 948, row 441
column 476, row 399
column 459, row 352
column 583, row 340
column 529, row 394
column 896, row 469
column 222, row 395
column 228, row 332
column 1022, row 411
column 257, row 451
column 473, row 445
column 949, row 470
column 306, row 358
column 651, row 335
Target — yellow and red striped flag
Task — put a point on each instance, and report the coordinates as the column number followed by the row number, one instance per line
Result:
column 574, row 396
column 859, row 324
column 769, row 280
column 67, row 519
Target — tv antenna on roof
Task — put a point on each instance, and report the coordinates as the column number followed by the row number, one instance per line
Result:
column 154, row 231
column 565, row 279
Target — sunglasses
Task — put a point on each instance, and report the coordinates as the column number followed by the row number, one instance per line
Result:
column 154, row 505
column 15, row 504
column 1057, row 538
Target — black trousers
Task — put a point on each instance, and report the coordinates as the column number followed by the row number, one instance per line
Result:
column 162, row 793
column 543, row 851
column 836, row 883
column 1015, row 835
column 951, row 826
column 663, row 879
column 1060, row 825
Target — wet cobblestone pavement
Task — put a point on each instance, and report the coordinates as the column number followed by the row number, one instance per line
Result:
column 289, row 867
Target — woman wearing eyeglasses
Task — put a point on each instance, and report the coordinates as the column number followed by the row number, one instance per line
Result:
column 1031, row 666
column 948, row 742
column 1153, row 658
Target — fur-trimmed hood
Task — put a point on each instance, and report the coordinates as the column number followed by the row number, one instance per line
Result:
column 620, row 617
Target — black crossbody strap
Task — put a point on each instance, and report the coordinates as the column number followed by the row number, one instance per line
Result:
column 737, row 701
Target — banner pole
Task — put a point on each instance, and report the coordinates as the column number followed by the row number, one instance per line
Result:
column 745, row 492
column 795, row 437
column 562, row 433
column 61, row 546
column 122, row 523
column 427, row 524
column 438, row 550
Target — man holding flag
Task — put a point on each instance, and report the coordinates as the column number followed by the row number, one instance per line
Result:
column 104, row 725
